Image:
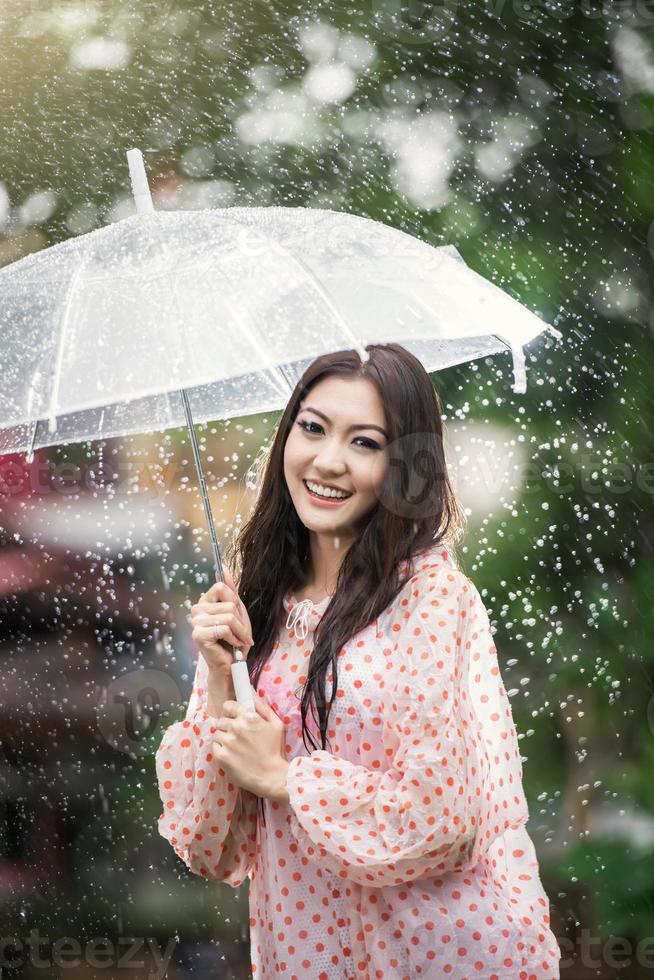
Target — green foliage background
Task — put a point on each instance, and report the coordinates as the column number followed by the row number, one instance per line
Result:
column 566, row 567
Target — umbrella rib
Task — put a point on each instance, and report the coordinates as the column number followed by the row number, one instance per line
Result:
column 243, row 322
column 319, row 287
column 249, row 329
column 60, row 352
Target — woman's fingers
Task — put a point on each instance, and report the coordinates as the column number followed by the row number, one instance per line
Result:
column 219, row 591
column 229, row 619
column 222, row 604
column 215, row 607
column 215, row 634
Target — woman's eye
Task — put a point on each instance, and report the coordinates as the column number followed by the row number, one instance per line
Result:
column 306, row 426
column 367, row 443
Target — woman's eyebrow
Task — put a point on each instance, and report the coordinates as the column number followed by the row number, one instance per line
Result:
column 369, row 425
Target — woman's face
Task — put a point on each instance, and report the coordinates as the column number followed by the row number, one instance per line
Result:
column 338, row 439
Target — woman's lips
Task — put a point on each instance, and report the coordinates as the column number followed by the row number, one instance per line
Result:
column 325, row 501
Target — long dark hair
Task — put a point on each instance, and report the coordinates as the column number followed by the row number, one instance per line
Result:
column 270, row 553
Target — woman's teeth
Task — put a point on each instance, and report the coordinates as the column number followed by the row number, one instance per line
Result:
column 319, row 491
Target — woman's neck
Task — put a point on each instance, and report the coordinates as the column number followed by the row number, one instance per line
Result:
column 326, row 557
column 315, row 595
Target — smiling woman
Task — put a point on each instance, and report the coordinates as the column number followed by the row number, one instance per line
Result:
column 386, row 664
column 328, row 467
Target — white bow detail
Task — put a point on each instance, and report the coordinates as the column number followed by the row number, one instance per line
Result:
column 298, row 618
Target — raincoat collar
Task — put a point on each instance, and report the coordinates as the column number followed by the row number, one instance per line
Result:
column 304, row 616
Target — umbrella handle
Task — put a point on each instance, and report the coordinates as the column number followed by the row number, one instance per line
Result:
column 242, row 686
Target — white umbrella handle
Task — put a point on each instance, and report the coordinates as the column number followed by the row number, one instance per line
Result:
column 242, row 686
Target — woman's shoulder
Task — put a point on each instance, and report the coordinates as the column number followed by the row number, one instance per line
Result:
column 423, row 571
column 435, row 579
column 427, row 565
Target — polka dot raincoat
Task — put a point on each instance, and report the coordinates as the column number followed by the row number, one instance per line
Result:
column 403, row 851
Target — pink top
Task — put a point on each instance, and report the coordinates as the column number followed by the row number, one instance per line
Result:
column 403, row 852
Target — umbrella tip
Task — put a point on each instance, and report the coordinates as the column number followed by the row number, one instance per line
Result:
column 139, row 179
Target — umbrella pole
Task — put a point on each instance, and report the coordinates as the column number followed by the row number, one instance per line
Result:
column 218, row 565
column 240, row 672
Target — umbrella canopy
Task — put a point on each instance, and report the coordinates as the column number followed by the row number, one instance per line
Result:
column 101, row 333
column 170, row 316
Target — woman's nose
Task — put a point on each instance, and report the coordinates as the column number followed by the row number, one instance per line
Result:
column 330, row 460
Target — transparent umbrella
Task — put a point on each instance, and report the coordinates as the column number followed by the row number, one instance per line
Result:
column 164, row 318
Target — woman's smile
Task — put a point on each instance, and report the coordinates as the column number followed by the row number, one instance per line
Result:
column 327, row 498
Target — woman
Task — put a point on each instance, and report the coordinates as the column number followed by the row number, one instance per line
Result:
column 392, row 840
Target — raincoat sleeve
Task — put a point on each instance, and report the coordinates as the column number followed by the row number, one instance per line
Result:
column 210, row 822
column 420, row 816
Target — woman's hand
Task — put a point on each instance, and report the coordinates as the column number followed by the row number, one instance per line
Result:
column 250, row 748
column 220, row 618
